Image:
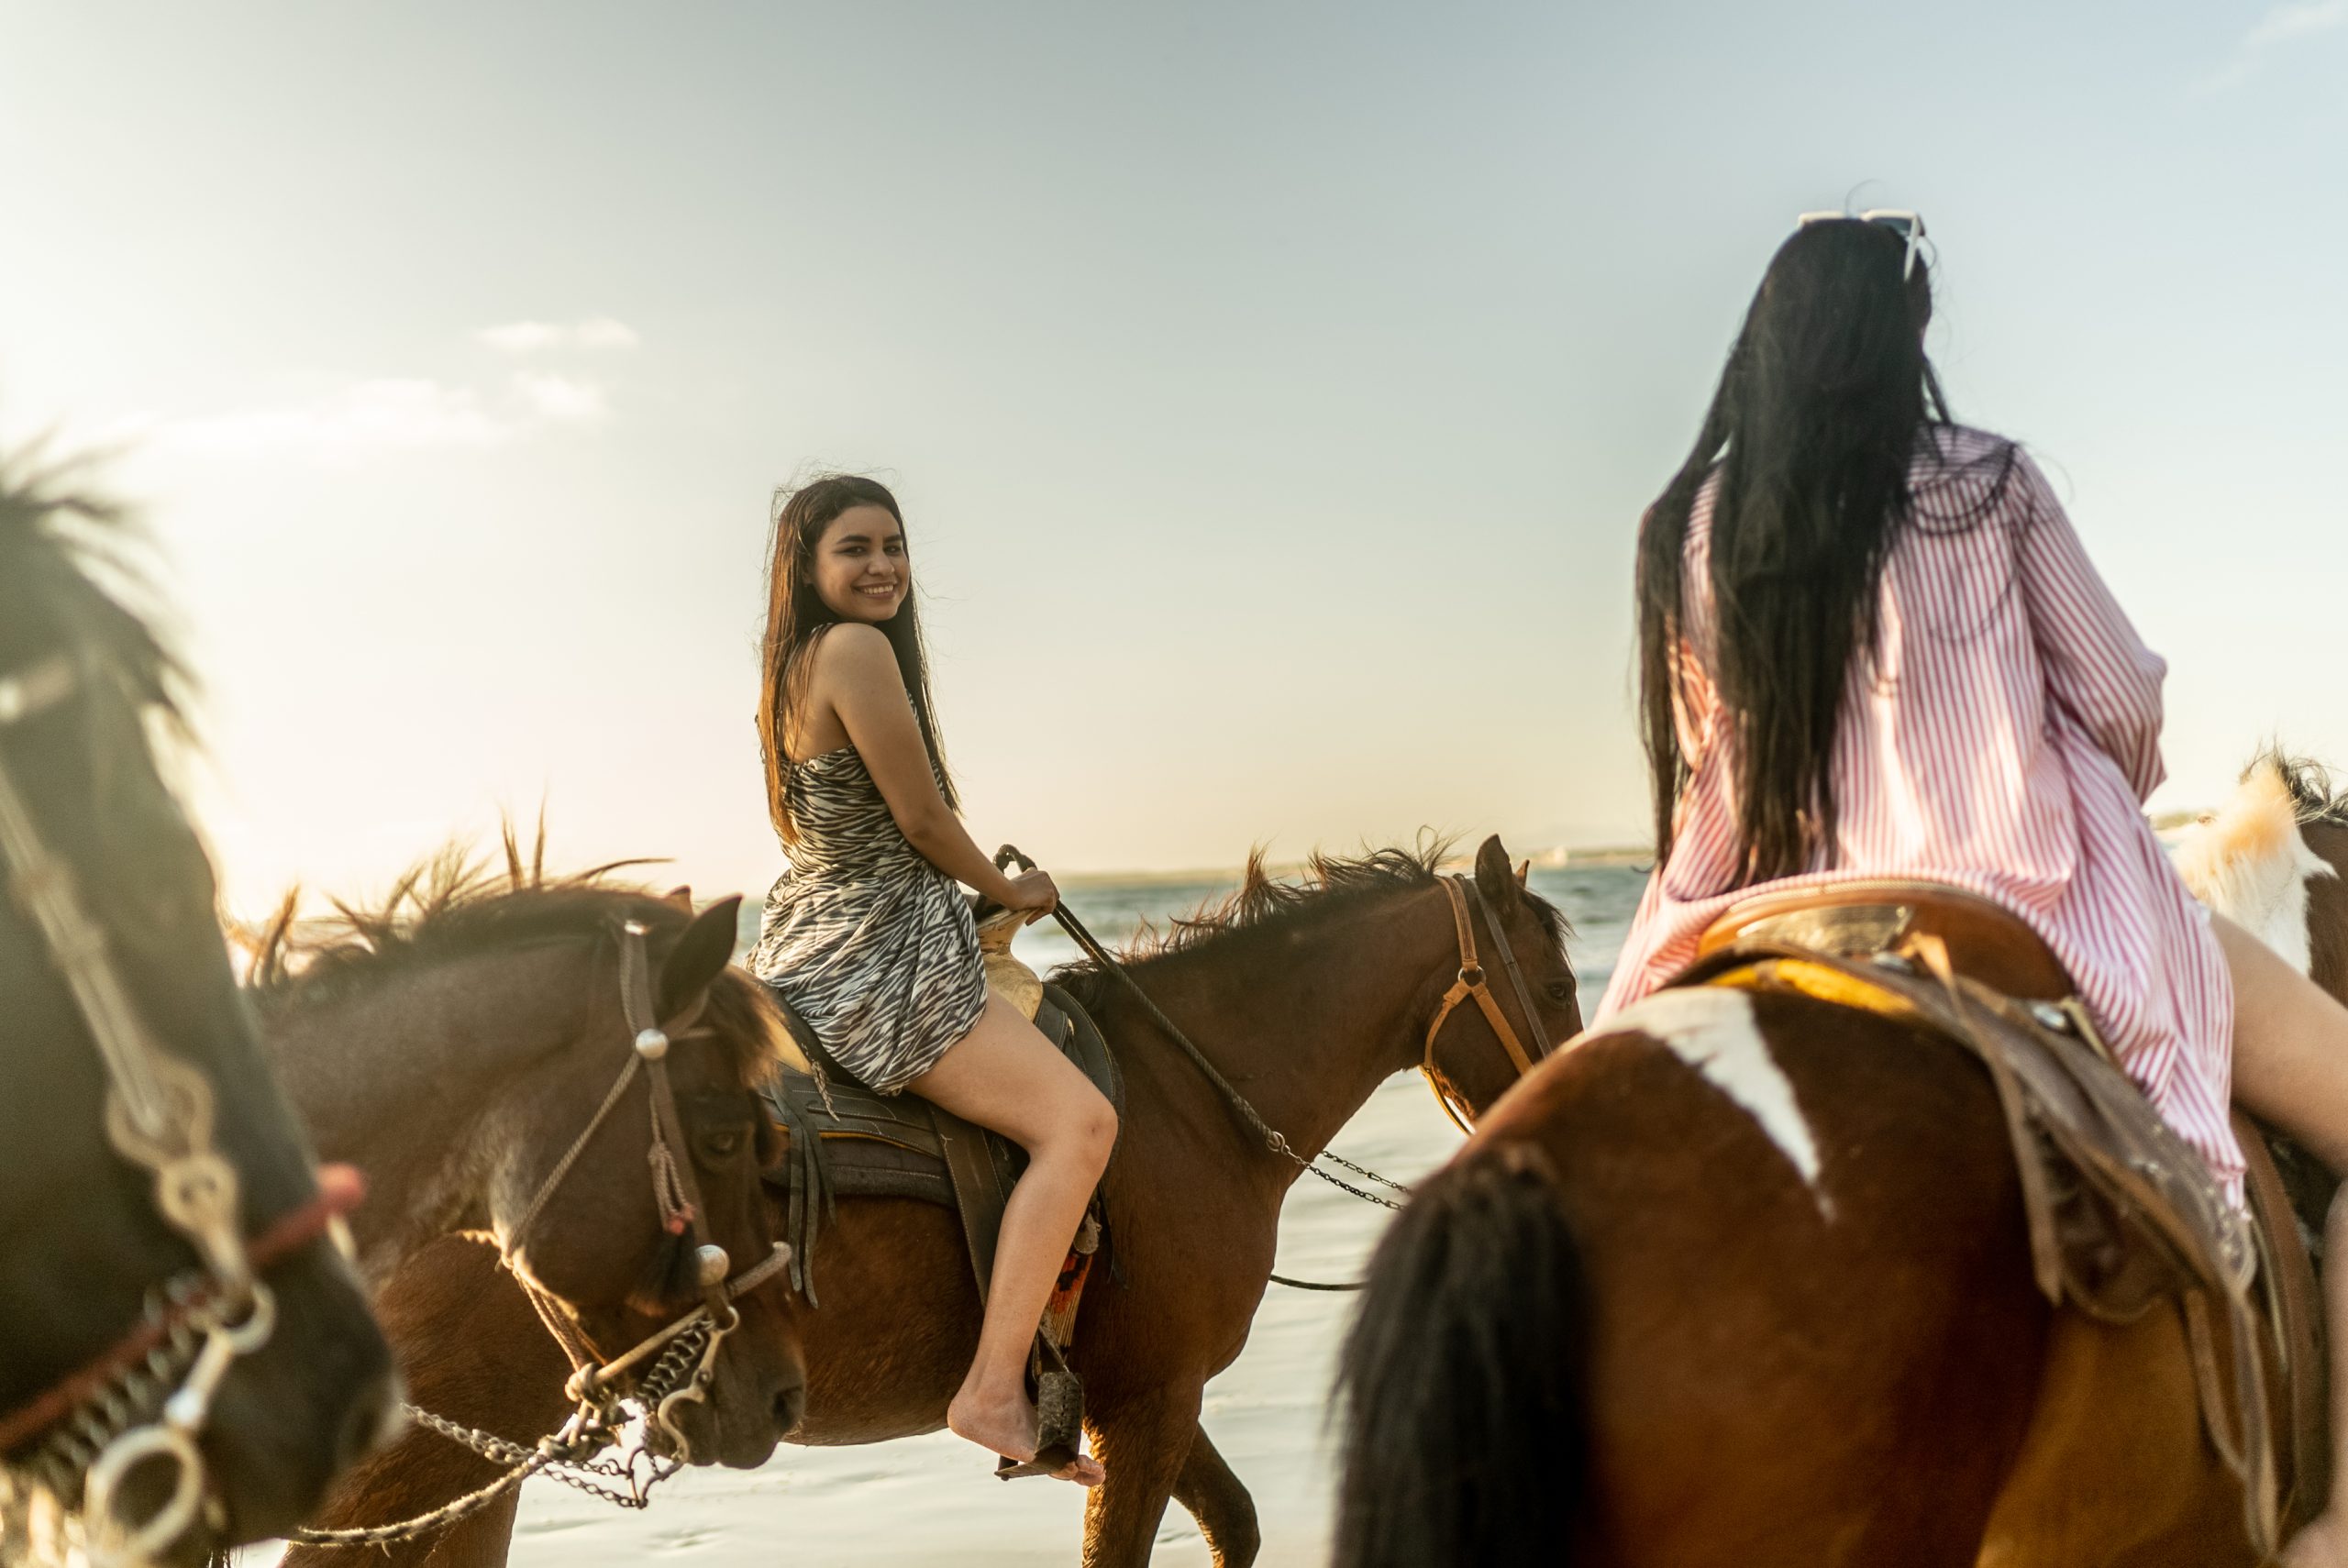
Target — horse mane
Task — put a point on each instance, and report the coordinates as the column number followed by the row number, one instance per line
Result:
column 1264, row 907
column 74, row 563
column 2315, row 797
column 455, row 903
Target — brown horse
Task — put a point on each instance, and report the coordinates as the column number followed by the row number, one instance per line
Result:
column 1744, row 1279
column 457, row 1045
column 116, row 991
column 1305, row 997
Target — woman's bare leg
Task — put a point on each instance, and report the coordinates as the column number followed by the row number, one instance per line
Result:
column 1006, row 1077
column 2291, row 1069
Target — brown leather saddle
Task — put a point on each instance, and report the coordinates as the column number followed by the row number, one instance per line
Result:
column 847, row 1141
column 2122, row 1214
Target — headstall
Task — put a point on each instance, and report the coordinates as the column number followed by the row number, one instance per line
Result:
column 677, row 1195
column 1471, row 984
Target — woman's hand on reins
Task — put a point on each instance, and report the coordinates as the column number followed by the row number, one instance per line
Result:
column 1034, row 894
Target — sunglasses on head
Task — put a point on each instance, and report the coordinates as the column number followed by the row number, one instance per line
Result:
column 1908, row 226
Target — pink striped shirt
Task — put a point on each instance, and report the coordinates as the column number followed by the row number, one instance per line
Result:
column 2003, row 740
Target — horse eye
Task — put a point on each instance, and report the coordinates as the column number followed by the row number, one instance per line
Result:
column 722, row 1145
column 1561, row 990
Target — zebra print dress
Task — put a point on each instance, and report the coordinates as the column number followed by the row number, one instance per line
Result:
column 872, row 945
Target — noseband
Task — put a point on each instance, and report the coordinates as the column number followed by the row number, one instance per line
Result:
column 1471, row 984
column 160, row 1112
column 692, row 1340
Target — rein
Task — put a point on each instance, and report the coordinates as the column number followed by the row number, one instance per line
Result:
column 682, row 1354
column 1469, row 983
column 159, row 1114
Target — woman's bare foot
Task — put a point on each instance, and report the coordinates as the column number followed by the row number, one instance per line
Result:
column 1085, row 1472
column 1008, row 1427
column 2323, row 1544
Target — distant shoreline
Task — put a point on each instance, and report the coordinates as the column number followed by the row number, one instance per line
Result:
column 1542, row 860
column 1556, row 858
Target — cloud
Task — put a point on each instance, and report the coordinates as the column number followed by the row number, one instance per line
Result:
column 2282, row 24
column 535, row 337
column 394, row 416
column 562, row 400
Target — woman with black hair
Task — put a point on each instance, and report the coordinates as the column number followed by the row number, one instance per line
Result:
column 868, row 934
column 1871, row 645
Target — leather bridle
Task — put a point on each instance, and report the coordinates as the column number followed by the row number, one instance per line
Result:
column 1470, row 985
column 160, row 1115
column 668, row 1369
column 595, row 1379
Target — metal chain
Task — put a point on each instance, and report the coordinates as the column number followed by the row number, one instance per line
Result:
column 1363, row 1170
column 568, row 1455
column 131, row 1397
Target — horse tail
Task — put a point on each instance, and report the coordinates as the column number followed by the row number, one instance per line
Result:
column 1463, row 1383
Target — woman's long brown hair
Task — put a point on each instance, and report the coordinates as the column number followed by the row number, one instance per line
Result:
column 797, row 616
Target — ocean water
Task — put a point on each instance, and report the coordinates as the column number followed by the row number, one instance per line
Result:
column 932, row 1499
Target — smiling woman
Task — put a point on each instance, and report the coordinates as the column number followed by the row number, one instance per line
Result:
column 868, row 939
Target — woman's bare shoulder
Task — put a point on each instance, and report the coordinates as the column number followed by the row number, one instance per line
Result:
column 849, row 650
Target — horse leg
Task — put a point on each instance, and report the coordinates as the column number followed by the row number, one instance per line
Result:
column 1142, row 1443
column 1225, row 1512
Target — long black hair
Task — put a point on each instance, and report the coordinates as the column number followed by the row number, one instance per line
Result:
column 797, row 616
column 1811, row 431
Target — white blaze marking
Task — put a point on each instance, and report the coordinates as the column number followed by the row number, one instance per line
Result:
column 1711, row 1029
column 2287, row 931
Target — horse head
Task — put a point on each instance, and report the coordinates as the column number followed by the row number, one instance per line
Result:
column 632, row 1217
column 133, row 1082
column 1513, row 998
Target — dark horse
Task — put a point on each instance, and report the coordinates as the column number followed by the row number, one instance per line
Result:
column 118, row 1006
column 457, row 1044
column 1744, row 1279
column 1305, row 997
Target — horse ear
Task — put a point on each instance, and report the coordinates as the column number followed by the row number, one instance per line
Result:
column 1495, row 878
column 681, row 895
column 699, row 955
column 1524, row 872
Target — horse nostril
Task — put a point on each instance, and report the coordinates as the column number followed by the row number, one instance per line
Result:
column 790, row 1405
column 374, row 1419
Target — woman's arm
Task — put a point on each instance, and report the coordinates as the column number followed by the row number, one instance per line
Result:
column 856, row 671
column 2099, row 670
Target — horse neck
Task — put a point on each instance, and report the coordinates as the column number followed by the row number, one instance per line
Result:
column 1306, row 1024
column 423, row 1080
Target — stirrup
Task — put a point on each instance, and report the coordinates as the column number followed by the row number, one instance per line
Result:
column 1059, row 1418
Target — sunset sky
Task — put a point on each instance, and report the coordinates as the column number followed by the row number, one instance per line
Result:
column 1272, row 389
